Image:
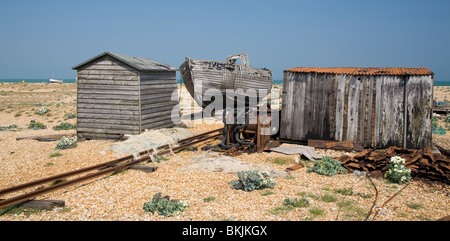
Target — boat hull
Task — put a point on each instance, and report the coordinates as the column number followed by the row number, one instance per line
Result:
column 200, row 76
column 55, row 81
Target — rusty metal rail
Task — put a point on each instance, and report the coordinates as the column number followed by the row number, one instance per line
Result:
column 102, row 169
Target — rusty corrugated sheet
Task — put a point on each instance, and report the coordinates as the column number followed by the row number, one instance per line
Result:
column 362, row 71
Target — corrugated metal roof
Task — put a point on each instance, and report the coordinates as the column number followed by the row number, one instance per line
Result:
column 138, row 63
column 362, row 71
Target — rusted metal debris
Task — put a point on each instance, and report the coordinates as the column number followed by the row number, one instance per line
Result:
column 422, row 162
column 336, row 145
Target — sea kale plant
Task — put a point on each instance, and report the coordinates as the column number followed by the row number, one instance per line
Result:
column 397, row 172
column 67, row 142
column 252, row 180
column 327, row 166
column 43, row 111
column 164, row 206
column 36, row 126
column 64, row 126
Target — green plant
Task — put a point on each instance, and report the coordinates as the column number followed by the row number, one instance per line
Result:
column 303, row 202
column 67, row 143
column 447, row 118
column 316, row 211
column 164, row 206
column 57, row 154
column 37, row 126
column 209, row 199
column 327, row 166
column 251, row 180
column 64, row 126
column 43, row 111
column 397, row 172
column 328, row 198
column 344, row 191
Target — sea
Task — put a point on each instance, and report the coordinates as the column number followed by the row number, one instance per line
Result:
column 436, row 82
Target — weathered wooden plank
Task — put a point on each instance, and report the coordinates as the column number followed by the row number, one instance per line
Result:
column 108, row 106
column 370, row 113
column 298, row 108
column 159, row 104
column 108, row 111
column 157, row 91
column 155, row 119
column 362, row 110
column 340, row 103
column 157, row 109
column 83, row 126
column 108, row 121
column 155, row 114
column 106, row 96
column 419, row 106
column 115, row 87
column 111, row 67
column 109, row 76
column 156, row 99
column 378, row 110
column 103, row 131
column 353, row 104
column 107, row 92
column 159, row 124
column 108, row 72
column 101, row 102
column 172, row 86
column 83, row 81
column 287, row 106
column 89, row 135
column 105, row 116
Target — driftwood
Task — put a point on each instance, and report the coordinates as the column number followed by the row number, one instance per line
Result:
column 144, row 168
column 54, row 137
column 41, row 204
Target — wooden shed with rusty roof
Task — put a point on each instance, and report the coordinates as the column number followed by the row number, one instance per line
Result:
column 376, row 107
column 119, row 95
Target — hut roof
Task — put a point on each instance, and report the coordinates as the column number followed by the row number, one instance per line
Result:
column 137, row 63
column 362, row 71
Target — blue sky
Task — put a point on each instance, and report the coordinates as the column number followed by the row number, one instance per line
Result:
column 42, row 38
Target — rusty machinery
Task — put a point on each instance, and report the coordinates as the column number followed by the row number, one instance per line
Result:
column 245, row 128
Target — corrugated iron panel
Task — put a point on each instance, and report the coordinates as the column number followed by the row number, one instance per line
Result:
column 362, row 71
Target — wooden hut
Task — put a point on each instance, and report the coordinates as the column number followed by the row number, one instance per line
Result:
column 376, row 107
column 119, row 94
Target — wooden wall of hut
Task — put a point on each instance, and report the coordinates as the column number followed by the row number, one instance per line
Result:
column 376, row 111
column 115, row 99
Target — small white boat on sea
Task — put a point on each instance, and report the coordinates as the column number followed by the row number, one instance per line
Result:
column 55, row 81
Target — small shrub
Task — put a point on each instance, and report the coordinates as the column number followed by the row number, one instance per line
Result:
column 209, row 199
column 328, row 198
column 67, row 143
column 163, row 206
column 397, row 172
column 69, row 116
column 327, row 166
column 57, row 154
column 65, row 126
column 316, row 211
column 252, row 180
column 37, row 126
column 303, row 202
column 43, row 111
column 344, row 191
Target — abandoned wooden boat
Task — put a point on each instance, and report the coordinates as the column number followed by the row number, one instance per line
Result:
column 220, row 75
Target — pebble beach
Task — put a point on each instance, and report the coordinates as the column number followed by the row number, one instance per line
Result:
column 120, row 197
